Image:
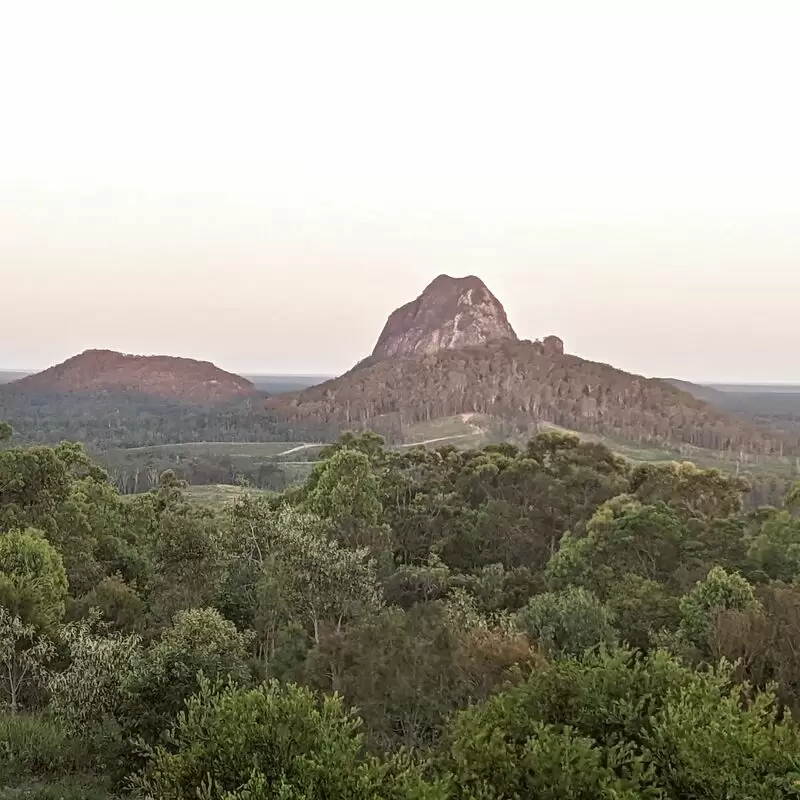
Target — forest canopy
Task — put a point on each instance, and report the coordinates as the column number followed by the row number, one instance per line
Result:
column 539, row 621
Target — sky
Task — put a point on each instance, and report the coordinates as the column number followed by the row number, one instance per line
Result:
column 261, row 184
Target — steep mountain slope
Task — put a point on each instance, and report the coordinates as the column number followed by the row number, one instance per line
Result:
column 523, row 380
column 450, row 313
column 452, row 351
column 95, row 371
column 775, row 407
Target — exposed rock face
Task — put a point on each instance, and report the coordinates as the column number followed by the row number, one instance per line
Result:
column 450, row 314
column 163, row 376
column 553, row 346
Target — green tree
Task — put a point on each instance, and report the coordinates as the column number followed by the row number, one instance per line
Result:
column 187, row 547
column 326, row 583
column 200, row 642
column 89, row 692
column 649, row 720
column 346, row 488
column 793, row 498
column 775, row 550
column 567, row 622
column 33, row 583
column 24, row 654
column 720, row 591
column 643, row 610
column 5, row 431
column 699, row 492
column 552, row 763
column 408, row 671
column 622, row 538
column 119, row 605
column 346, row 493
column 272, row 742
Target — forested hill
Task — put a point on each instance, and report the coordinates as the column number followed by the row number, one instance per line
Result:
column 169, row 377
column 524, row 380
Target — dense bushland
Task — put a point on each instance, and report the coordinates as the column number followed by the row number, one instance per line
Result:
column 500, row 623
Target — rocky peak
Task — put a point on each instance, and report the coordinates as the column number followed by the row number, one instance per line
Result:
column 451, row 313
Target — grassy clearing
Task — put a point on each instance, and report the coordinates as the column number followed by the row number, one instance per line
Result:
column 231, row 449
column 220, row 493
column 463, row 430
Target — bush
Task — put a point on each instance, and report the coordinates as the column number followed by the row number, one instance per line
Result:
column 274, row 741
column 650, row 726
column 200, row 642
column 33, row 746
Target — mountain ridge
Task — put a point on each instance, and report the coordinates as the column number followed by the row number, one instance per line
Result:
column 417, row 374
column 170, row 377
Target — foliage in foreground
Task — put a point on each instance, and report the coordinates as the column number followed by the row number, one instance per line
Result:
column 539, row 622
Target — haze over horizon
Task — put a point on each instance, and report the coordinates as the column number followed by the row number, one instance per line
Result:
column 261, row 190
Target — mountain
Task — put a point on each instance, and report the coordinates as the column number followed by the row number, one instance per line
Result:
column 701, row 392
column 450, row 313
column 452, row 351
column 771, row 406
column 98, row 371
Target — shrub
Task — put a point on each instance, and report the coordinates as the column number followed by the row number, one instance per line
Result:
column 272, row 742
column 35, row 746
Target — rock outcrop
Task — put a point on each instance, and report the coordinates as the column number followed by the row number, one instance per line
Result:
column 450, row 314
column 168, row 377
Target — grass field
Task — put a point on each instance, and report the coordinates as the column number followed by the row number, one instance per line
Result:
column 463, row 430
column 231, row 449
column 218, row 493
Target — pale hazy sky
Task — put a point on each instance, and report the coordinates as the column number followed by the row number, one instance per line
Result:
column 223, row 181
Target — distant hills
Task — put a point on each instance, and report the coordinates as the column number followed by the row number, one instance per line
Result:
column 450, row 352
column 161, row 376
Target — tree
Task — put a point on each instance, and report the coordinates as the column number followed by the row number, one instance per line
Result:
column 188, row 553
column 90, row 691
column 623, row 537
column 567, row 622
column 346, row 493
column 553, row 763
column 119, row 606
column 24, row 654
column 5, row 431
column 408, row 671
column 199, row 643
column 346, row 488
column 776, row 549
column 33, row 583
column 273, row 742
column 793, row 498
column 707, row 493
column 648, row 720
column 643, row 610
column 720, row 591
column 327, row 583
